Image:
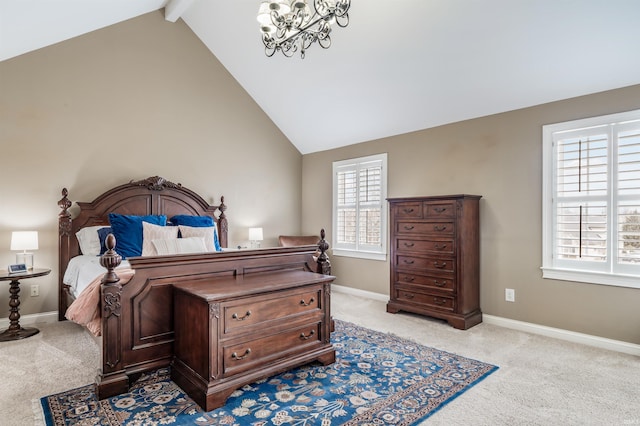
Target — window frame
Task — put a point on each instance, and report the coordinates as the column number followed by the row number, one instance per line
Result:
column 612, row 273
column 356, row 251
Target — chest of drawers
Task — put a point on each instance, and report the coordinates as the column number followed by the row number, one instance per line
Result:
column 435, row 260
column 231, row 331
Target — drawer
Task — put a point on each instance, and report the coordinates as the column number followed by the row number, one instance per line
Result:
column 242, row 356
column 444, row 264
column 436, row 209
column 425, row 228
column 427, row 282
column 443, row 245
column 408, row 210
column 435, row 301
column 251, row 312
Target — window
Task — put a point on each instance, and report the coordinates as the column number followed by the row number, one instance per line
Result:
column 591, row 200
column 359, row 207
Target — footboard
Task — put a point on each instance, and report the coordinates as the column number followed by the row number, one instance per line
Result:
column 137, row 318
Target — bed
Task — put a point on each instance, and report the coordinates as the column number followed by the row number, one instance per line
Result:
column 136, row 299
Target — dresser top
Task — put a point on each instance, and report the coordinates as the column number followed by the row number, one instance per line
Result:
column 220, row 288
column 435, row 198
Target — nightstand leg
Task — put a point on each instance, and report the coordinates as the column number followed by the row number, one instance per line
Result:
column 15, row 332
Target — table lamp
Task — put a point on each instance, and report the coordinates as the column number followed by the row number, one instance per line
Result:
column 255, row 236
column 24, row 240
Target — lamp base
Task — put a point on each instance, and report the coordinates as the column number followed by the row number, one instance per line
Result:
column 26, row 258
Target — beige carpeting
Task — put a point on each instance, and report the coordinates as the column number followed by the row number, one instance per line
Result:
column 541, row 381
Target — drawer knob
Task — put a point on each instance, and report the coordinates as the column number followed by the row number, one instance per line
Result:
column 237, row 318
column 307, row 336
column 241, row 357
column 303, row 303
column 408, row 227
column 439, row 301
column 439, row 283
column 408, row 210
column 409, row 279
column 440, row 228
column 440, row 209
column 408, row 244
column 439, row 265
column 440, row 246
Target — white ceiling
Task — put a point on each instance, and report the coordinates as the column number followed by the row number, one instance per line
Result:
column 399, row 66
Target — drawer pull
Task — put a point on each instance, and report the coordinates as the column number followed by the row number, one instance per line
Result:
column 307, row 337
column 440, row 246
column 440, row 228
column 408, row 210
column 408, row 227
column 408, row 261
column 440, row 209
column 241, row 357
column 439, row 283
column 409, row 295
column 409, row 244
column 409, row 279
column 303, row 303
column 439, row 265
column 439, row 301
column 237, row 318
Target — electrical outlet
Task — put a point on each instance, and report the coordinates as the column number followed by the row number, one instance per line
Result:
column 509, row 295
column 35, row 290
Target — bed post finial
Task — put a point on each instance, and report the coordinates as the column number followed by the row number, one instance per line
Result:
column 223, row 224
column 64, row 217
column 324, row 266
column 110, row 260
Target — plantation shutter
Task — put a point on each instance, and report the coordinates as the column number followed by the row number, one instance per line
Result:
column 359, row 204
column 597, row 198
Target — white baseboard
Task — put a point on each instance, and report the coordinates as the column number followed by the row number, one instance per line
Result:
column 30, row 319
column 570, row 336
column 362, row 293
column 557, row 333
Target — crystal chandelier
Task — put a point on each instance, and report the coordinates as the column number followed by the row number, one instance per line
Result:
column 291, row 25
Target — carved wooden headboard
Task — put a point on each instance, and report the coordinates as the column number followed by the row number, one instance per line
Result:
column 152, row 196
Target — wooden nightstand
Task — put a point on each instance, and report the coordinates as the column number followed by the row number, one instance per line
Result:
column 15, row 332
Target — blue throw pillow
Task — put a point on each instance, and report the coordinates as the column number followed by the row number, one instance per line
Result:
column 198, row 222
column 128, row 232
column 102, row 236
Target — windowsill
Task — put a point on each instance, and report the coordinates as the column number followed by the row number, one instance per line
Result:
column 630, row 281
column 359, row 254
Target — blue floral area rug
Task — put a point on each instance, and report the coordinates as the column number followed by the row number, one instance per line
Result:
column 377, row 379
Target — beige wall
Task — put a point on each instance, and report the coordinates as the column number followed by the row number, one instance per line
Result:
column 141, row 98
column 500, row 158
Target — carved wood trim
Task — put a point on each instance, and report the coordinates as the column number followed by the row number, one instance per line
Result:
column 156, row 183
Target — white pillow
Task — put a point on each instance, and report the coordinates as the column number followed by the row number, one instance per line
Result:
column 89, row 240
column 180, row 246
column 205, row 232
column 152, row 232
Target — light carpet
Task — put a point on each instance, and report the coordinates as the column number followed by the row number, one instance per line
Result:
column 378, row 378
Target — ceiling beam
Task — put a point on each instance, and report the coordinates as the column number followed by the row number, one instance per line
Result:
column 175, row 8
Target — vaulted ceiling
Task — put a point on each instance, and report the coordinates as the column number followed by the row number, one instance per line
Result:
column 399, row 66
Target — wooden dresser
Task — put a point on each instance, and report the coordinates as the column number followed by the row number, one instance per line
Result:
column 231, row 331
column 435, row 258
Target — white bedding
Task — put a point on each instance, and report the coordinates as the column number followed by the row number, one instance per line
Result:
column 84, row 269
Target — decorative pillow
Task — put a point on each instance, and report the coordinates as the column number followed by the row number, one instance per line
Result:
column 89, row 240
column 180, row 245
column 207, row 233
column 152, row 232
column 128, row 232
column 102, row 235
column 198, row 222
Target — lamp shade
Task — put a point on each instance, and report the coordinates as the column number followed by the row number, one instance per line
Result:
column 24, row 240
column 255, row 234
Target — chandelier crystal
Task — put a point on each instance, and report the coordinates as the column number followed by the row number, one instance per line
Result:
column 291, row 25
